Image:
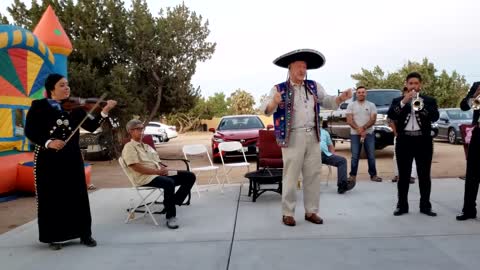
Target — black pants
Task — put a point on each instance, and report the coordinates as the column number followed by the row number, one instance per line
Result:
column 420, row 148
column 472, row 178
column 184, row 179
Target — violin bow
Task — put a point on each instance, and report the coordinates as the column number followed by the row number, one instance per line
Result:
column 89, row 115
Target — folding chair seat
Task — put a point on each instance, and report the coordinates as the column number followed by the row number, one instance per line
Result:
column 192, row 153
column 225, row 147
column 151, row 192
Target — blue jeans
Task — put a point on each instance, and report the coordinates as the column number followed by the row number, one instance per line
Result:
column 355, row 147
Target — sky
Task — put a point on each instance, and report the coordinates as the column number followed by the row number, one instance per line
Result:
column 351, row 34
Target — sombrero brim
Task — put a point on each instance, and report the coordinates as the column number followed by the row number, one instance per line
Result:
column 313, row 58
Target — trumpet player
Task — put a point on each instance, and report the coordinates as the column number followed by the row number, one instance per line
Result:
column 414, row 114
column 472, row 179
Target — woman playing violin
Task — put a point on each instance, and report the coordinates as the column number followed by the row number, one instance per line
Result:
column 62, row 198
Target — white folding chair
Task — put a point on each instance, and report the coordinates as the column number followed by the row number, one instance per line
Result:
column 150, row 192
column 232, row 147
column 329, row 172
column 199, row 150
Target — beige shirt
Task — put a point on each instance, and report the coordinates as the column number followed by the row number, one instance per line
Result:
column 303, row 108
column 139, row 153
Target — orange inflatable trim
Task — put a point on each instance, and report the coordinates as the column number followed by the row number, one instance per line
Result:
column 26, row 181
column 8, row 170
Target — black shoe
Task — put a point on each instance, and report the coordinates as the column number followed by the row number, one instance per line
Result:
column 428, row 212
column 55, row 246
column 341, row 189
column 88, row 241
column 351, row 184
column 464, row 216
column 400, row 211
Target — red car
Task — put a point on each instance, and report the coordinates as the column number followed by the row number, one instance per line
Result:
column 241, row 128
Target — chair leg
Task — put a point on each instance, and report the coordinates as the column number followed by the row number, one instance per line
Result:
column 196, row 189
column 250, row 188
column 255, row 191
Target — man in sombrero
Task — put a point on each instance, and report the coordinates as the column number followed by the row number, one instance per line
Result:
column 295, row 105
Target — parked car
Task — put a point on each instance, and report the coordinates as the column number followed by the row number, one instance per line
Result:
column 449, row 124
column 241, row 128
column 160, row 131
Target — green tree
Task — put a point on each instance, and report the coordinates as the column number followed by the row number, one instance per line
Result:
column 241, row 102
column 218, row 104
column 447, row 89
column 3, row 19
column 111, row 41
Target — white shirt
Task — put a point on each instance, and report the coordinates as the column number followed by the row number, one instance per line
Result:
column 412, row 124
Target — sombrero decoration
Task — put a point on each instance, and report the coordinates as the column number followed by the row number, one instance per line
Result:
column 313, row 58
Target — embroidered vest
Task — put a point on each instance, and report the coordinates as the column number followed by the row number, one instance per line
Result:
column 282, row 117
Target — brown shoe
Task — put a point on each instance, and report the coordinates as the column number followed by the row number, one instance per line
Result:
column 352, row 178
column 376, row 179
column 314, row 218
column 288, row 220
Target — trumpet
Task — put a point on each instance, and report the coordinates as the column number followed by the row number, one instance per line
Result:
column 417, row 102
column 476, row 103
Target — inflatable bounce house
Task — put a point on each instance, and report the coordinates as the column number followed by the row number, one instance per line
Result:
column 26, row 59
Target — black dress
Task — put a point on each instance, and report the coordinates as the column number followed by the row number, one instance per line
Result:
column 62, row 197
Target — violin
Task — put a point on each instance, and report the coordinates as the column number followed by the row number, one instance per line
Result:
column 86, row 104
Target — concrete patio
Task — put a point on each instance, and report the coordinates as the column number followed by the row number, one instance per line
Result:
column 228, row 231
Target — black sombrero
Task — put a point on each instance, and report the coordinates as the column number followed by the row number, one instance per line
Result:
column 313, row 58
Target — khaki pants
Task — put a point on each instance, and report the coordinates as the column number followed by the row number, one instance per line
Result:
column 303, row 155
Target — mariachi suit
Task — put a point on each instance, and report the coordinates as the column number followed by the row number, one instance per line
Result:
column 416, row 145
column 61, row 191
column 297, row 130
column 472, row 178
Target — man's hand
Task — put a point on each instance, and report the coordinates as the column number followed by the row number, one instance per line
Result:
column 110, row 105
column 346, row 94
column 277, row 98
column 56, row 144
column 162, row 171
column 407, row 98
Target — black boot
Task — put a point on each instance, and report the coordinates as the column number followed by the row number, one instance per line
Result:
column 88, row 241
column 465, row 216
column 55, row 246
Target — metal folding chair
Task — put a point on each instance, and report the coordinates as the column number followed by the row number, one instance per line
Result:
column 190, row 151
column 150, row 193
column 232, row 147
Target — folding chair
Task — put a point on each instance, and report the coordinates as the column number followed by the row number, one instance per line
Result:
column 232, row 147
column 199, row 150
column 329, row 172
column 143, row 199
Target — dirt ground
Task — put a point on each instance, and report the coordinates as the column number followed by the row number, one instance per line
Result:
column 448, row 162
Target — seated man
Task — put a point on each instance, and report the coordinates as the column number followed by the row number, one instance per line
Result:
column 146, row 169
column 329, row 158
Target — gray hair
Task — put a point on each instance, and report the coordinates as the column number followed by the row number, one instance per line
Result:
column 133, row 123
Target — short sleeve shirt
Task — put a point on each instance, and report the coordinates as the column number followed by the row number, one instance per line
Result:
column 139, row 153
column 361, row 113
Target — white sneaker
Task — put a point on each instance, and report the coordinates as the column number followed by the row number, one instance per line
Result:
column 172, row 223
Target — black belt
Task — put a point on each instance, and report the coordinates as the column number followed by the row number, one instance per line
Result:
column 412, row 133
